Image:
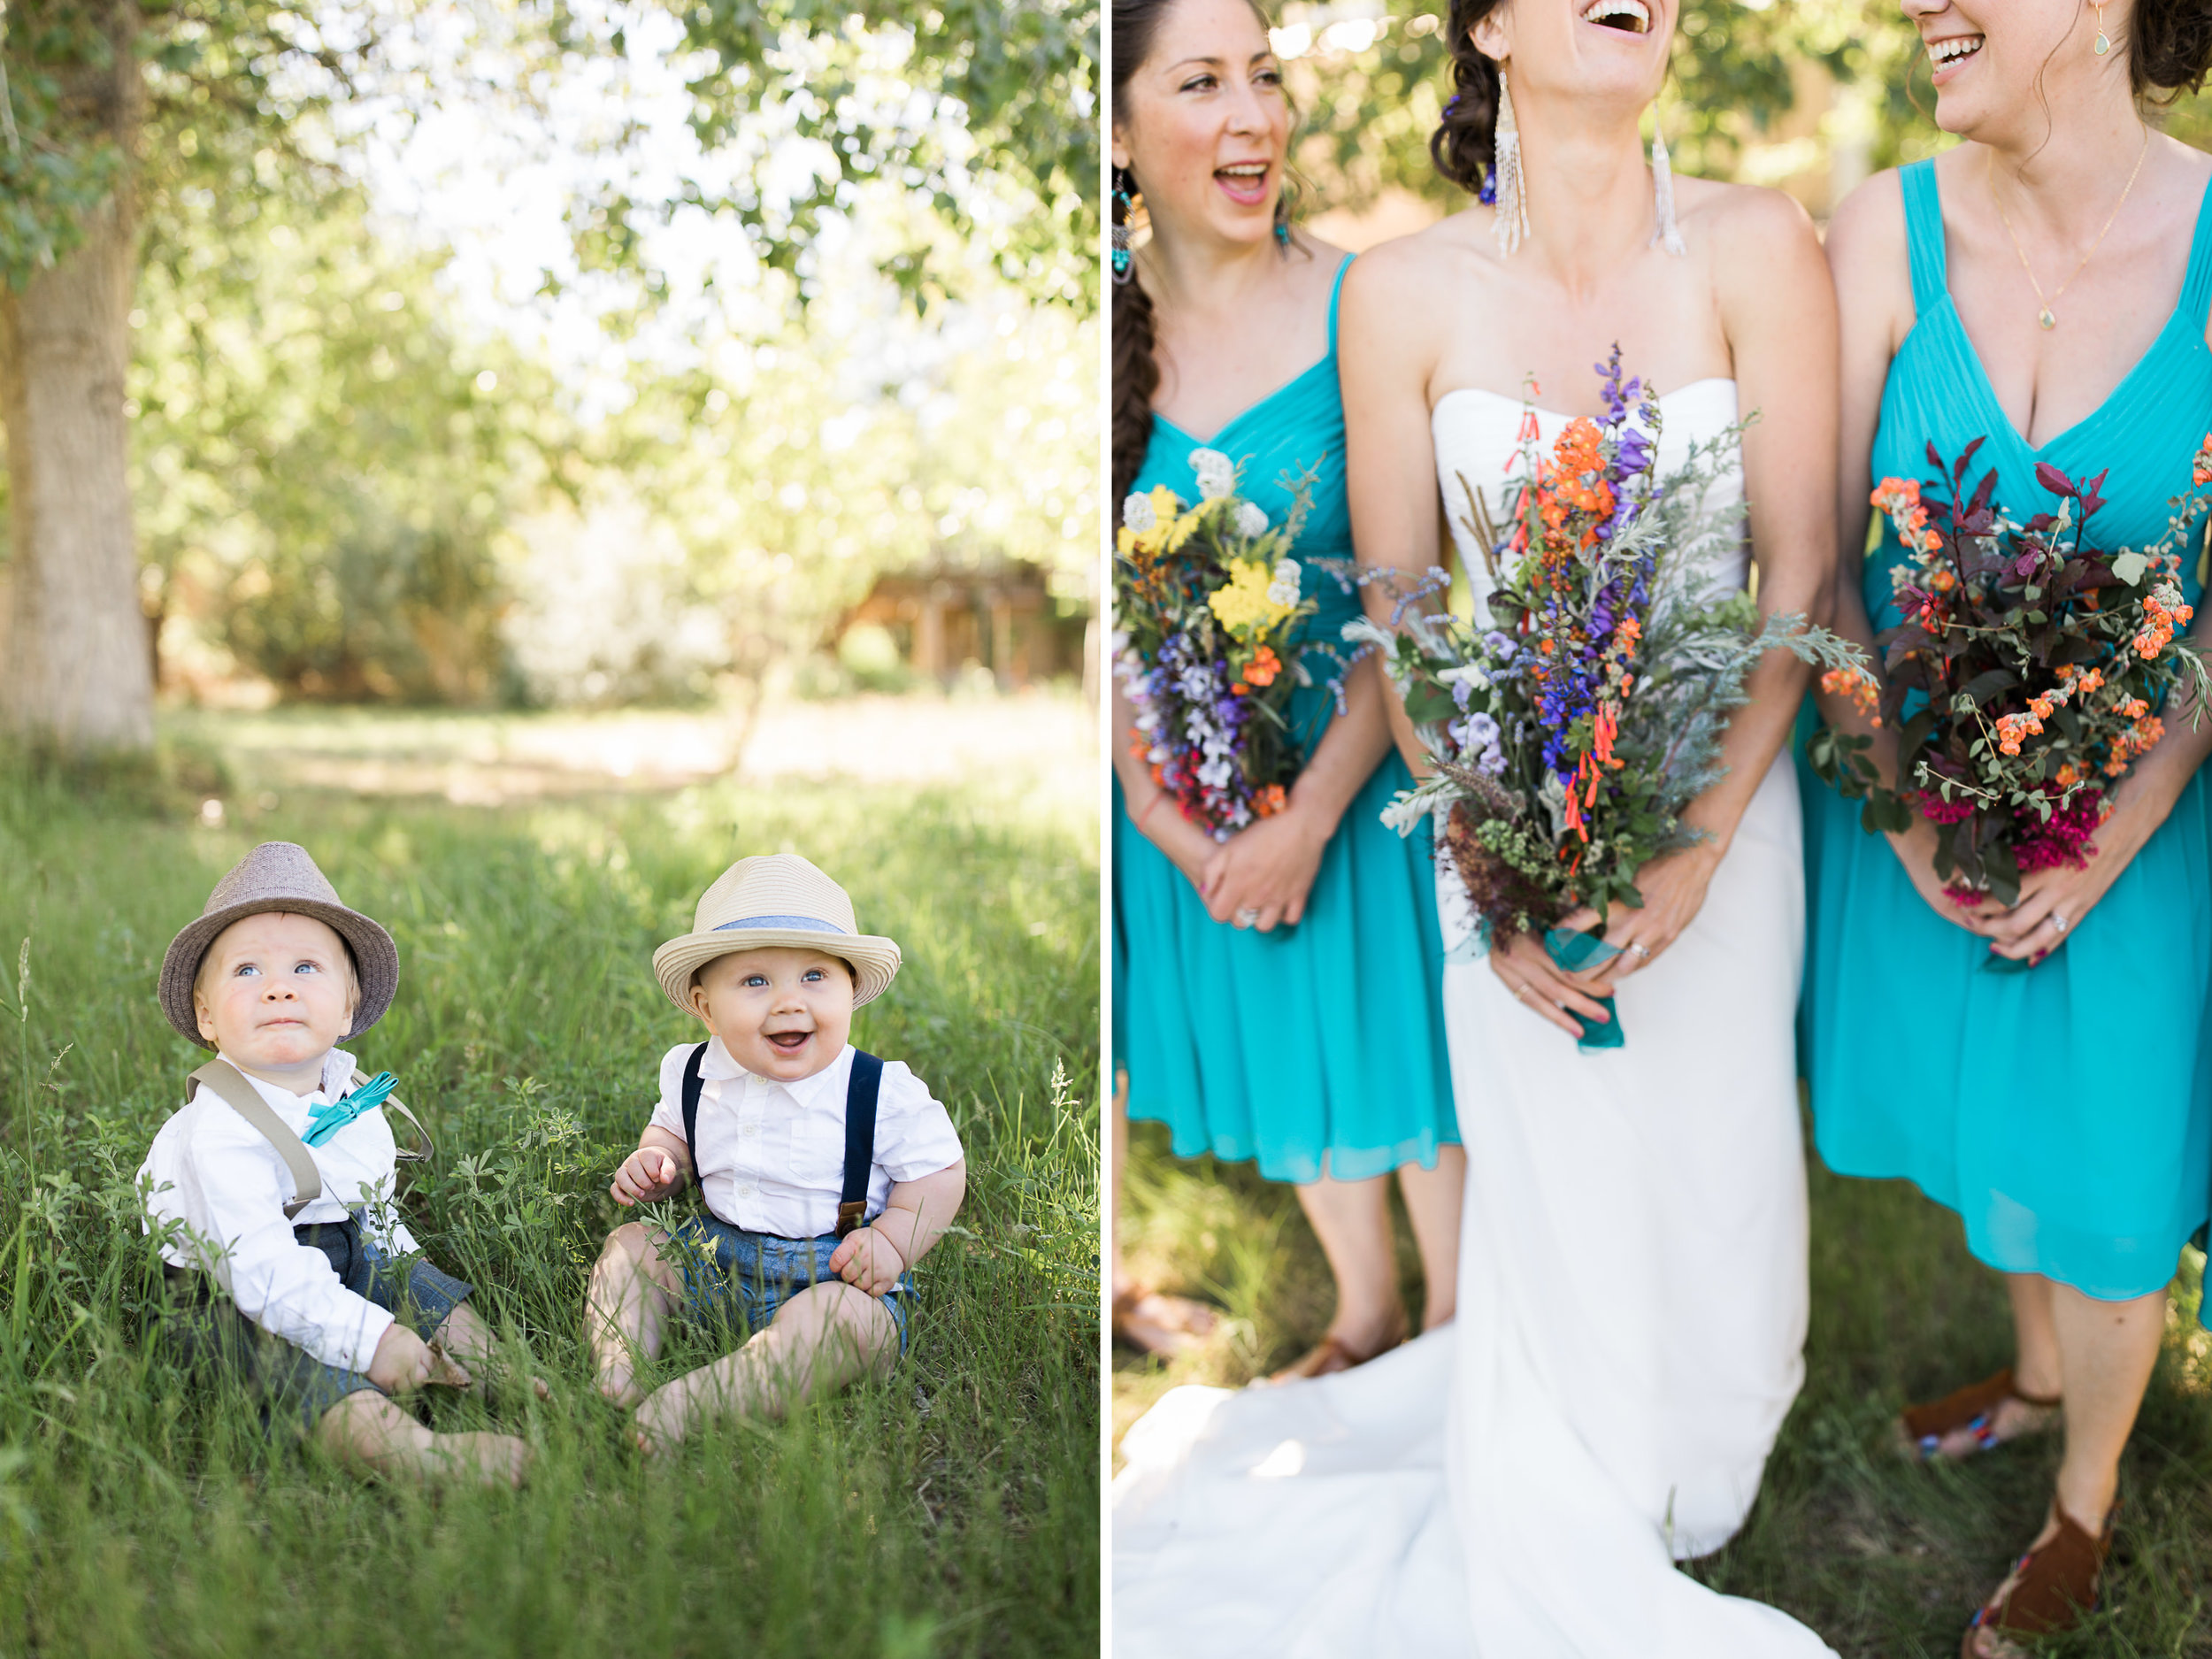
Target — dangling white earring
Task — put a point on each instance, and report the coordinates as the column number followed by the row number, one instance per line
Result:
column 1512, row 187
column 1667, row 233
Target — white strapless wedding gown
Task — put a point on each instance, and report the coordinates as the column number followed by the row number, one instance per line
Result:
column 1632, row 1311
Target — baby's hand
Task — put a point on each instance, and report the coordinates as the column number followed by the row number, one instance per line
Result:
column 646, row 1173
column 868, row 1261
column 403, row 1360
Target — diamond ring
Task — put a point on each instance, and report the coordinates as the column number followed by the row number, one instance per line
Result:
column 1246, row 918
column 2058, row 920
column 1641, row 954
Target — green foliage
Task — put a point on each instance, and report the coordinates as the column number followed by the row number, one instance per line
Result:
column 987, row 110
column 952, row 1510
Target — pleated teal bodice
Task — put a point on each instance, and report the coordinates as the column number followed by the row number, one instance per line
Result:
column 2064, row 1112
column 1324, row 1041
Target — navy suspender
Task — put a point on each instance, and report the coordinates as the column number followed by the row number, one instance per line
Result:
column 860, row 1129
column 691, row 1107
column 860, row 1139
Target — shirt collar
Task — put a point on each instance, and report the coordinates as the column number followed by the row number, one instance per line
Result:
column 337, row 1074
column 825, row 1087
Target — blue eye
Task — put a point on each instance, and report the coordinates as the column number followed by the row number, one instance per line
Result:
column 755, row 979
column 306, row 967
column 811, row 974
column 243, row 969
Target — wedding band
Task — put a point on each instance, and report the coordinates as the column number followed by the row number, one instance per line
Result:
column 1520, row 992
column 1641, row 954
column 2058, row 920
column 1245, row 919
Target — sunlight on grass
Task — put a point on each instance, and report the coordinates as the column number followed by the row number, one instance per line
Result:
column 951, row 1511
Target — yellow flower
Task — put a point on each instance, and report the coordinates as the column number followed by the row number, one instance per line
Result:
column 1241, row 603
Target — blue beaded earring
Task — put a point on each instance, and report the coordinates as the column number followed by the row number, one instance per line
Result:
column 1125, row 204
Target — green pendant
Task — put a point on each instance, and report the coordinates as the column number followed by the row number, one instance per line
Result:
column 2046, row 319
column 2103, row 45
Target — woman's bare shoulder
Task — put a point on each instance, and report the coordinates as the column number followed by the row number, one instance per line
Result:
column 1392, row 272
column 1744, row 221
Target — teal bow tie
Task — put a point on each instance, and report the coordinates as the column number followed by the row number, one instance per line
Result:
column 325, row 1121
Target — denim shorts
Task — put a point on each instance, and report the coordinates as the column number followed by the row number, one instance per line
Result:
column 741, row 1278
column 204, row 1330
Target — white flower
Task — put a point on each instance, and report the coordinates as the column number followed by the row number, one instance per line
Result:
column 1283, row 590
column 1466, row 673
column 1217, row 473
column 1251, row 521
column 1136, row 515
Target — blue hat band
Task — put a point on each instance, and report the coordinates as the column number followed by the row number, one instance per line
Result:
column 805, row 923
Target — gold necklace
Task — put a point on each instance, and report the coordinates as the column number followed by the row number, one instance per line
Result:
column 2046, row 316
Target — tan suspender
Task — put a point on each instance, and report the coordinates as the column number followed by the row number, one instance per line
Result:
column 241, row 1097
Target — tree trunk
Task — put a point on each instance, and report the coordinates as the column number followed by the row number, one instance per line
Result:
column 76, row 664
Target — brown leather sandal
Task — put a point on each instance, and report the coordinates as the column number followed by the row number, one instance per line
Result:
column 1154, row 1323
column 2051, row 1588
column 1924, row 1429
column 1331, row 1356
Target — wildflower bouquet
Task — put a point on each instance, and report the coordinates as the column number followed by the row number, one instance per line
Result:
column 1206, row 599
column 1570, row 731
column 2032, row 662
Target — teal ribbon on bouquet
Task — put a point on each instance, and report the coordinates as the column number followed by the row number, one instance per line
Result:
column 325, row 1121
column 1574, row 952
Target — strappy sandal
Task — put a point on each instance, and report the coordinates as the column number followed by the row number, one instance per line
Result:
column 2050, row 1589
column 1331, row 1356
column 1158, row 1325
column 1922, row 1430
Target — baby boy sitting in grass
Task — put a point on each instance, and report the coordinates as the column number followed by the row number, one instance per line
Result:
column 797, row 1140
column 272, row 1187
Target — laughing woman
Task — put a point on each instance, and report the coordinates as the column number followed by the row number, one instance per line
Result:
column 1276, row 995
column 2045, row 286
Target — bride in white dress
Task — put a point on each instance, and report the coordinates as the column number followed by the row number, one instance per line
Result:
column 1632, row 1294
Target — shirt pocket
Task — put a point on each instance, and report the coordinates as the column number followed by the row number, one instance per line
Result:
column 818, row 1152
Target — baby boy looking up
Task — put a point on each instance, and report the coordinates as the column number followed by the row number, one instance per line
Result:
column 272, row 1187
column 772, row 1114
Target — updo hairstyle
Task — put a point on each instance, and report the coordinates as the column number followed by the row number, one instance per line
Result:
column 2169, row 52
column 1466, row 144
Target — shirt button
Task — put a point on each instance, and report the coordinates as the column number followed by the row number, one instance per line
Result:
column 747, row 1189
column 751, row 1129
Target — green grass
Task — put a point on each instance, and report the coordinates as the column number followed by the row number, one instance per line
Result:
column 951, row 1511
column 1886, row 1560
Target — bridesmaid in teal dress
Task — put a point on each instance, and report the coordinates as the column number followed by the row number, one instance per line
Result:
column 1277, row 997
column 2058, row 1110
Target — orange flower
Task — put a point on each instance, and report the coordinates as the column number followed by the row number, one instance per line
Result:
column 1264, row 666
column 1270, row 800
column 2201, row 474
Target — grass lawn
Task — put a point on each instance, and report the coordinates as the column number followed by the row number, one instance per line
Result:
column 952, row 1511
column 1885, row 1559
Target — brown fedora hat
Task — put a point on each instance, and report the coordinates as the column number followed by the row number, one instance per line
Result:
column 277, row 876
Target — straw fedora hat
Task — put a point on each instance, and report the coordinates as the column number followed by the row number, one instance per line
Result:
column 775, row 899
column 277, row 876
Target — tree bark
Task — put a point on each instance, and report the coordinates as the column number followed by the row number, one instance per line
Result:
column 77, row 673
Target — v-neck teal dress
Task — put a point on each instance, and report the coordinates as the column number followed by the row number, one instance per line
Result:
column 1324, row 1041
column 2060, row 1111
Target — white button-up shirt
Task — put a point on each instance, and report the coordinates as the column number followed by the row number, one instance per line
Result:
column 214, row 1172
column 771, row 1154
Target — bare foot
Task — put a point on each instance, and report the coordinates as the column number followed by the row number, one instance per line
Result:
column 661, row 1420
column 492, row 1460
column 2012, row 1419
column 617, row 1382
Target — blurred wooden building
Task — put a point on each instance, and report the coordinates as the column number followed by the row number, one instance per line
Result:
column 945, row 616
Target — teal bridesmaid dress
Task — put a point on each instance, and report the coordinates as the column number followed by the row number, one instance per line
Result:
column 2059, row 1111
column 1322, row 1040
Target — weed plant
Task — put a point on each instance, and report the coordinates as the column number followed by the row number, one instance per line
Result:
column 1886, row 1559
column 950, row 1511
